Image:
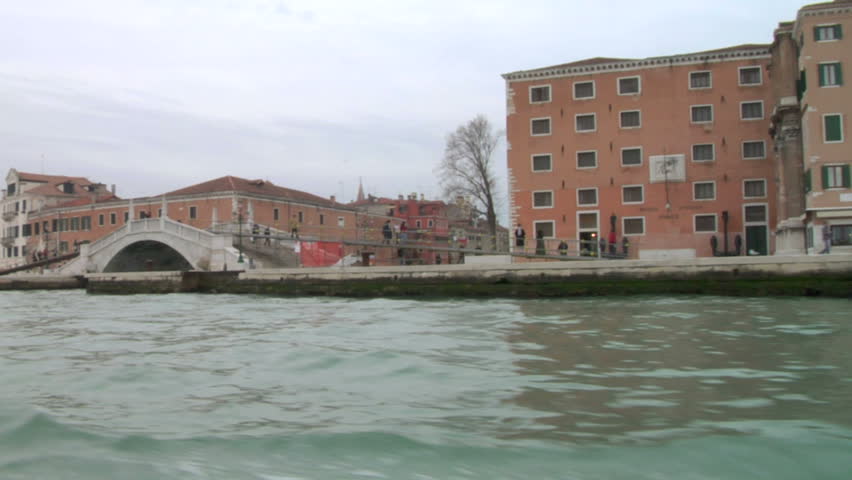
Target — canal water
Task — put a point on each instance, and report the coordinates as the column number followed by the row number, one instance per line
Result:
column 246, row 387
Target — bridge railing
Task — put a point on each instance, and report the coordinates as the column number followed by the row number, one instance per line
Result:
column 154, row 225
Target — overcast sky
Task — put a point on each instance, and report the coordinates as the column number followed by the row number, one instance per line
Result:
column 154, row 95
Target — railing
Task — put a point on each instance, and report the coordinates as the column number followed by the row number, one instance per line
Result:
column 155, row 225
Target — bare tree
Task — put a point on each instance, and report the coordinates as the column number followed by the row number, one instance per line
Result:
column 467, row 167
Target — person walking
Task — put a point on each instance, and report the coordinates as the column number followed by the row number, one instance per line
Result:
column 826, row 238
column 387, row 232
column 520, row 236
column 266, row 235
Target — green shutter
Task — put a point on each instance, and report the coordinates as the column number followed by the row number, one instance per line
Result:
column 821, row 75
column 846, row 180
column 816, row 34
column 838, row 73
column 808, row 186
column 832, row 127
column 838, row 32
column 824, row 172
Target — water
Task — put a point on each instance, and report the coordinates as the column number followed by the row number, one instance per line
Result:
column 246, row 387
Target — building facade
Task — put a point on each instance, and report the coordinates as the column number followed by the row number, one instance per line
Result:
column 670, row 153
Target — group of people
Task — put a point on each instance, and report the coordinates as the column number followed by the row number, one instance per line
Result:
column 255, row 232
column 390, row 231
column 604, row 245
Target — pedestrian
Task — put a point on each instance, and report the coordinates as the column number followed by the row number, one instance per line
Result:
column 387, row 232
column 255, row 230
column 826, row 238
column 266, row 235
column 612, row 242
column 294, row 227
column 403, row 232
column 602, row 243
column 539, row 243
column 520, row 236
column 563, row 248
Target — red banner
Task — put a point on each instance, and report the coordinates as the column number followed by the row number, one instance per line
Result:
column 320, row 254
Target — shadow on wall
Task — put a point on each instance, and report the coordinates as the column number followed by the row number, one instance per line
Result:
column 147, row 256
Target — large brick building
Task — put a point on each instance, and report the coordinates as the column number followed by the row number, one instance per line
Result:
column 678, row 153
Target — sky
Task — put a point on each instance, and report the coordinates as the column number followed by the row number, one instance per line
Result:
column 155, row 95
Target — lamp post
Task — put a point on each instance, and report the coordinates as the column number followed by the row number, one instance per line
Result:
column 240, row 240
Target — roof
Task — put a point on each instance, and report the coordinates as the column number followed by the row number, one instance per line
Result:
column 589, row 62
column 259, row 187
column 88, row 200
column 835, row 3
column 51, row 183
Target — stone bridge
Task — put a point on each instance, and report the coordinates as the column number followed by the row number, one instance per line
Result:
column 156, row 244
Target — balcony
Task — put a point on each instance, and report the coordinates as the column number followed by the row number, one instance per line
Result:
column 7, row 241
column 7, row 216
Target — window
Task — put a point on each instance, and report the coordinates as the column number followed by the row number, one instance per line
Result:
column 276, row 214
column 698, row 80
column 301, row 217
column 632, row 194
column 587, row 220
column 540, row 94
column 36, row 228
column 542, row 163
column 702, row 113
column 322, row 219
column 830, row 74
column 587, row 196
column 754, row 149
column 841, row 234
column 835, row 176
column 705, row 223
column 159, row 212
column 26, row 230
column 755, row 213
column 584, row 90
column 628, row 86
column 704, row 191
column 112, row 219
column 631, row 156
column 540, row 126
column 703, row 152
column 832, row 127
column 430, row 223
column 193, row 212
column 633, row 225
column 126, row 216
column 807, row 181
column 101, row 220
column 24, row 206
column 418, row 224
column 86, row 223
column 586, row 122
column 827, row 33
column 543, row 199
column 75, row 224
column 754, row 188
column 631, row 119
column 751, row 110
column 545, row 228
column 341, row 222
column 751, row 76
column 587, row 159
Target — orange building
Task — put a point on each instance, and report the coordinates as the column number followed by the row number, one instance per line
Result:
column 670, row 153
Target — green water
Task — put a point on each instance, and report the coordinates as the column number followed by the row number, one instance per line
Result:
column 246, row 387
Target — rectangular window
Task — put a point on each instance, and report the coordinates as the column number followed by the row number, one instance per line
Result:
column 701, row 113
column 699, row 80
column 587, row 220
column 24, row 206
column 276, row 214
column 807, row 181
column 631, row 156
column 755, row 213
column 540, row 126
column 341, row 222
column 75, row 224
column 542, row 163
column 632, row 194
column 322, row 219
column 841, row 234
column 193, row 212
column 544, row 229
column 633, row 225
column 704, row 191
column 430, row 223
column 418, row 224
column 301, row 217
column 540, row 94
column 36, row 228
column 827, row 33
column 585, row 122
column 86, row 223
column 705, row 223
column 112, row 218
column 703, row 152
column 587, row 197
column 751, row 76
column 587, row 159
column 832, row 127
column 751, row 110
column 631, row 119
column 26, row 230
column 835, row 176
column 543, row 199
column 584, row 90
column 101, row 220
column 754, row 188
column 830, row 74
column 754, row 149
column 126, row 216
column 629, row 86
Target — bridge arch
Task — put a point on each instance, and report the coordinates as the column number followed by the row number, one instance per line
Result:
column 144, row 255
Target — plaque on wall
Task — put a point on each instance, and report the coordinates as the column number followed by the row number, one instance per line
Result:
column 667, row 168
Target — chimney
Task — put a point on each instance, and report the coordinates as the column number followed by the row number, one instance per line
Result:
column 401, row 197
column 422, row 197
column 333, row 198
column 112, row 188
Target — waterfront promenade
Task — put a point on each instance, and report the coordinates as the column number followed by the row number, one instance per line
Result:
column 827, row 275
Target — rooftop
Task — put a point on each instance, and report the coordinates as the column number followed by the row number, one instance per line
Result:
column 258, row 187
